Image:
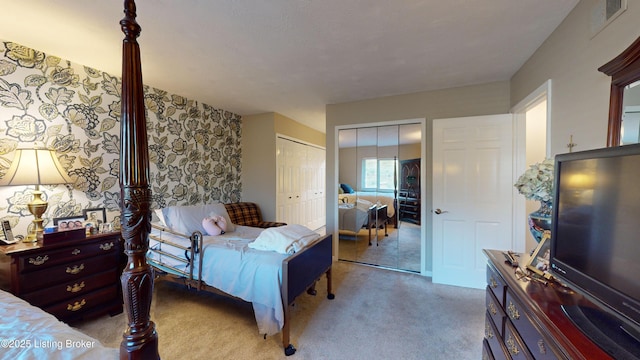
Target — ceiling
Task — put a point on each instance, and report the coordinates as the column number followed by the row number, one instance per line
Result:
column 294, row 56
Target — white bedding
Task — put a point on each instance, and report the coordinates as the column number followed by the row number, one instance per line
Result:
column 287, row 239
column 27, row 332
column 352, row 218
column 230, row 265
column 373, row 197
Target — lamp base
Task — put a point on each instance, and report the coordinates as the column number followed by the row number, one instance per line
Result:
column 37, row 207
column 32, row 236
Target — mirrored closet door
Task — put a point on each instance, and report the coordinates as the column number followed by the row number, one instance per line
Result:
column 378, row 203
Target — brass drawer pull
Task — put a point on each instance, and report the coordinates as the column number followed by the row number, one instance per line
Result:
column 106, row 246
column 39, row 260
column 492, row 308
column 493, row 283
column 513, row 311
column 512, row 346
column 75, row 252
column 541, row 347
column 488, row 333
column 76, row 287
column 76, row 269
column 76, row 306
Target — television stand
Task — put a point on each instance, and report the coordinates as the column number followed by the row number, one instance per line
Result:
column 605, row 330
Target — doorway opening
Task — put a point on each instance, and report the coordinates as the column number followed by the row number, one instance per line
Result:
column 532, row 146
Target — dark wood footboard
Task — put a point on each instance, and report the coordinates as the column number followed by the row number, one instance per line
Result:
column 299, row 274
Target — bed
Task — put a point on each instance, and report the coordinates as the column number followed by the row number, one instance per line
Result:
column 352, row 217
column 27, row 332
column 372, row 197
column 362, row 214
column 269, row 267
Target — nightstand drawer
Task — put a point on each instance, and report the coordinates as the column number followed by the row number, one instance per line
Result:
column 70, row 289
column 77, row 306
column 72, row 271
column 34, row 262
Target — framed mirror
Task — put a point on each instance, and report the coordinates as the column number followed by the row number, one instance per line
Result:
column 624, row 105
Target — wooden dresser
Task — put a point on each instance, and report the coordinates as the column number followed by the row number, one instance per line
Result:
column 72, row 280
column 524, row 319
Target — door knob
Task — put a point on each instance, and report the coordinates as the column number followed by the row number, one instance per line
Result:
column 439, row 211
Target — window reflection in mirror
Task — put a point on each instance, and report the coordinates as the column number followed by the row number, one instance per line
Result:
column 630, row 131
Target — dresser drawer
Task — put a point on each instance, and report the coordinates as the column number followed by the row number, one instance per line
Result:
column 76, row 307
column 72, row 271
column 537, row 344
column 70, row 289
column 486, row 351
column 496, row 284
column 515, row 346
column 494, row 340
column 494, row 309
column 41, row 259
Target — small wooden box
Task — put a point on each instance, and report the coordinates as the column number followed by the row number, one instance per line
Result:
column 63, row 236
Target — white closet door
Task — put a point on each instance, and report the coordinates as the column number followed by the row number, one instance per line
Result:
column 300, row 184
column 316, row 183
column 288, row 196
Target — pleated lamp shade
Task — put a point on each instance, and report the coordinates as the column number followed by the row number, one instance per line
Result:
column 35, row 167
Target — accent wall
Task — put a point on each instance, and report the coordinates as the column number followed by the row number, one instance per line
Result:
column 194, row 148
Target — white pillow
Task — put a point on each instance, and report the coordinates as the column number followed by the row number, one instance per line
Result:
column 187, row 219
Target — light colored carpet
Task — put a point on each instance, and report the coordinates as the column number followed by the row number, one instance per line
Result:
column 377, row 314
column 399, row 250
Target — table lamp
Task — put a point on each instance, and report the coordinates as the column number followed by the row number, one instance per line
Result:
column 35, row 167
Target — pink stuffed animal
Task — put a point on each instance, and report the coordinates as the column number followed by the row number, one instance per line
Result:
column 214, row 225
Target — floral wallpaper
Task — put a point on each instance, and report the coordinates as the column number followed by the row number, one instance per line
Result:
column 194, row 149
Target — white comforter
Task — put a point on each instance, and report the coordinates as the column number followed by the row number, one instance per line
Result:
column 287, row 239
column 230, row 265
column 27, row 332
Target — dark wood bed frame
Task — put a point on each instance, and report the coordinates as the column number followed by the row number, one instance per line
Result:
column 140, row 339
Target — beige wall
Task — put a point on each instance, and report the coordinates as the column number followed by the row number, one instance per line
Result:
column 289, row 127
column 485, row 99
column 570, row 57
column 259, row 156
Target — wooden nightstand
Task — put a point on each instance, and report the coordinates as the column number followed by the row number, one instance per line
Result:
column 72, row 280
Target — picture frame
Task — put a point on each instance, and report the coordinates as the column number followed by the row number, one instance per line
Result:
column 539, row 261
column 96, row 216
column 69, row 222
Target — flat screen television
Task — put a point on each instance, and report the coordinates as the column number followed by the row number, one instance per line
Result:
column 595, row 243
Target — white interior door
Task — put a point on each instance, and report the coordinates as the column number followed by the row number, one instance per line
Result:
column 472, row 195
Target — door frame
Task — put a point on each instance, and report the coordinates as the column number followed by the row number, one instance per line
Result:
column 425, row 252
column 519, row 115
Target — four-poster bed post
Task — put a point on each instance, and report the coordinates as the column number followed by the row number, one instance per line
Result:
column 140, row 340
